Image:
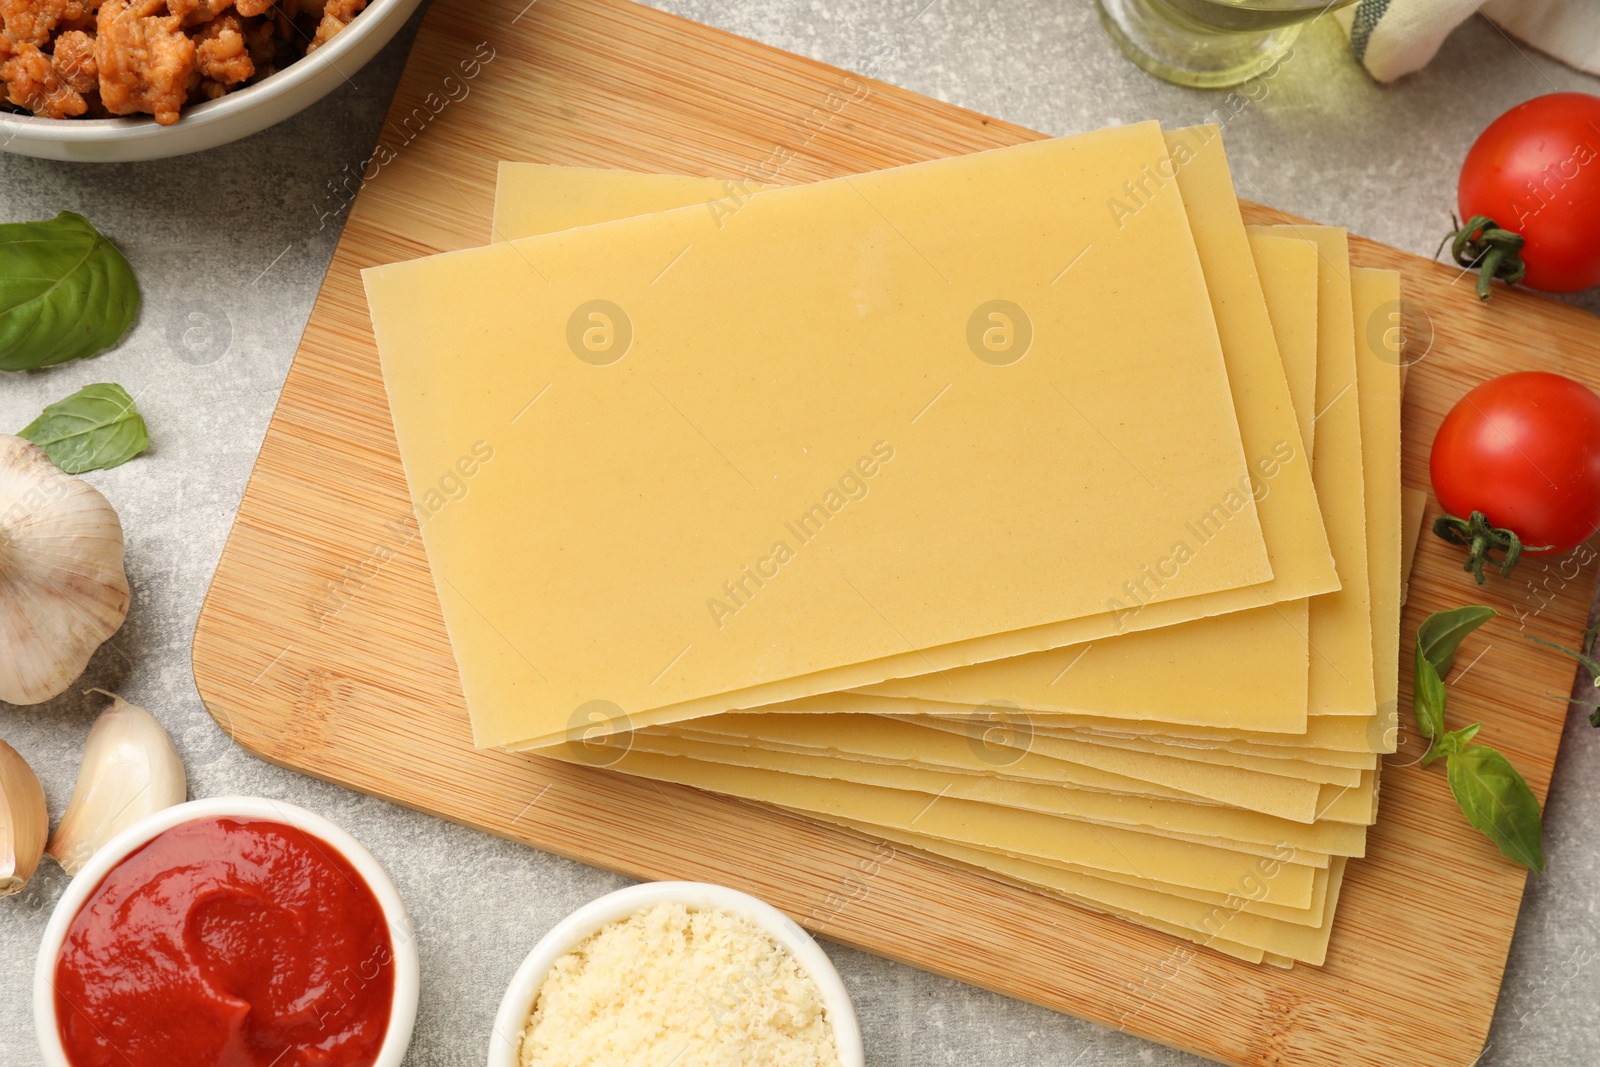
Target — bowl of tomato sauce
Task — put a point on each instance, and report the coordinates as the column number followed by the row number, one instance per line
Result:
column 228, row 932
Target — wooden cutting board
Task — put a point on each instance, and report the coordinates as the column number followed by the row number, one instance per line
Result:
column 321, row 646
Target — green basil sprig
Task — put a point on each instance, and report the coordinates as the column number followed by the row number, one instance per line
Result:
column 1498, row 802
column 65, row 292
column 1495, row 798
column 96, row 428
column 1442, row 633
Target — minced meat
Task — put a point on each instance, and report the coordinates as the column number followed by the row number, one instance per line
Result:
column 65, row 58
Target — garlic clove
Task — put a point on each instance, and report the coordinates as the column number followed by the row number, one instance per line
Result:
column 130, row 769
column 24, row 821
column 63, row 590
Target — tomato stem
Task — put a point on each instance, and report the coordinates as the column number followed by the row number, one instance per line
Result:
column 1483, row 244
column 1586, row 659
column 1481, row 538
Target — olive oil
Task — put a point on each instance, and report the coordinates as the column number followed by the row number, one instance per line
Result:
column 1209, row 43
column 1251, row 16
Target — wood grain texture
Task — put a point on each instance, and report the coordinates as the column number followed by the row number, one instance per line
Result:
column 321, row 645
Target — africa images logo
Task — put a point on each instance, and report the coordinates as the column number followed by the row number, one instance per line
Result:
column 599, row 332
column 999, row 333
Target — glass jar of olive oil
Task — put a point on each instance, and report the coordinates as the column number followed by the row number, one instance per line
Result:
column 1208, row 43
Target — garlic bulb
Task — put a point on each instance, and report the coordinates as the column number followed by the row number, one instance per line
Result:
column 24, row 821
column 62, row 587
column 130, row 769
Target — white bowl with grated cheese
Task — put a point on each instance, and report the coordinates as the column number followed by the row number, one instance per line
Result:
column 519, row 1002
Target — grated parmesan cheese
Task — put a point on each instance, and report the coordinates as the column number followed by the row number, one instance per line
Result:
column 671, row 985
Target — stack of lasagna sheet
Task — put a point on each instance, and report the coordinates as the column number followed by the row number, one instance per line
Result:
column 1026, row 509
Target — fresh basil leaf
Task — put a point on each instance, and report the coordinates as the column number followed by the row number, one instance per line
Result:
column 65, row 292
column 1451, row 744
column 1427, row 697
column 1442, row 632
column 95, row 428
column 1497, row 801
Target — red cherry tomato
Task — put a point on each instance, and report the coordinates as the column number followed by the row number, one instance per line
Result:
column 1523, row 449
column 1536, row 171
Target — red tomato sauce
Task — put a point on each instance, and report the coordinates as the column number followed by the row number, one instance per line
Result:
column 227, row 943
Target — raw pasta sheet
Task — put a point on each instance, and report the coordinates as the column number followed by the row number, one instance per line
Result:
column 659, row 420
column 1134, row 674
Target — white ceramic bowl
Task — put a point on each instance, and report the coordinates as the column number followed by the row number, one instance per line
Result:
column 517, row 1005
column 215, row 122
column 403, row 1014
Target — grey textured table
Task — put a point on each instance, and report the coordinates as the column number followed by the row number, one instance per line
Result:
column 231, row 246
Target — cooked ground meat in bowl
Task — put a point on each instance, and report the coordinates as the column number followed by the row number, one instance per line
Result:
column 121, row 73
column 64, row 59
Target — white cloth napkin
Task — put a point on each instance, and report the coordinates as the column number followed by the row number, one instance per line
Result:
column 1395, row 37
